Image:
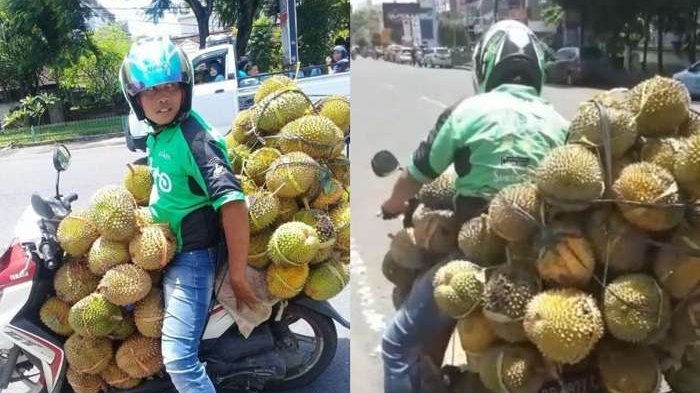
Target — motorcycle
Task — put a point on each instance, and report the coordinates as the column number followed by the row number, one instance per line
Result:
column 451, row 377
column 274, row 357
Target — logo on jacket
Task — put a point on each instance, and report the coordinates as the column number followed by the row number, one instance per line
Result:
column 219, row 169
column 162, row 180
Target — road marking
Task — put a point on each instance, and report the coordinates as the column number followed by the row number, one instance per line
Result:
column 434, row 102
column 358, row 269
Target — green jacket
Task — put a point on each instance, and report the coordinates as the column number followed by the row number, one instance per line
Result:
column 493, row 140
column 192, row 179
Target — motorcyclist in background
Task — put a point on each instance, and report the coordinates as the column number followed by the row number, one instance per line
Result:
column 493, row 139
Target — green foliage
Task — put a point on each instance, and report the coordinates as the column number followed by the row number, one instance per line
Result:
column 319, row 22
column 97, row 71
column 241, row 14
column 265, row 45
column 32, row 108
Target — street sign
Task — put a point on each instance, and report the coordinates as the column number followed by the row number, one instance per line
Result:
column 288, row 22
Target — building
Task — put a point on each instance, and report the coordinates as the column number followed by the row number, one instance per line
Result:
column 411, row 23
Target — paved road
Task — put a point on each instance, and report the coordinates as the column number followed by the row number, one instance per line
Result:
column 393, row 107
column 97, row 164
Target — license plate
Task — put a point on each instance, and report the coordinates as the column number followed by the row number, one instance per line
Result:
column 579, row 382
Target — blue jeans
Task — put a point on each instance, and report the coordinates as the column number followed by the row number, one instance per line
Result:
column 419, row 331
column 188, row 285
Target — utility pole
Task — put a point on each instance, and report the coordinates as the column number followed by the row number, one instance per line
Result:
column 495, row 11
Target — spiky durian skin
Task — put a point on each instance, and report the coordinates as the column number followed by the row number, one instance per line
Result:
column 84, row 383
column 113, row 211
column 565, row 324
column 509, row 368
column 125, row 284
column 479, row 243
column 648, row 183
column 475, row 333
column 139, row 181
column 74, row 280
column 54, row 314
column 636, row 309
column 586, row 128
column 88, row 355
column 513, row 212
column 458, row 287
column 94, row 316
column 570, row 175
column 140, row 356
column 76, row 233
column 662, row 105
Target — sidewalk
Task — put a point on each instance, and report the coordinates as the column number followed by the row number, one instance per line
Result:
column 73, row 144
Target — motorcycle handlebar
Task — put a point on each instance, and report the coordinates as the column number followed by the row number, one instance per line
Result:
column 48, row 251
column 72, row 198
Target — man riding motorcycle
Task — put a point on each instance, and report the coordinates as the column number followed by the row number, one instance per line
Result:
column 493, row 140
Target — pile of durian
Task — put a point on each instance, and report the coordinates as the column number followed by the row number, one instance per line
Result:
column 108, row 299
column 591, row 264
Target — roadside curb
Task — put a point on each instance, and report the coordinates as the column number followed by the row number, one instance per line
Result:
column 90, row 138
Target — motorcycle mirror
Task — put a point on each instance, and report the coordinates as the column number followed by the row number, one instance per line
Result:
column 61, row 158
column 384, row 163
column 41, row 207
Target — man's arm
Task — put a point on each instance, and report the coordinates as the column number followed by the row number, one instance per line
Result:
column 235, row 222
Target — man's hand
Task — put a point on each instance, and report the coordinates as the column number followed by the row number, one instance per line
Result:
column 393, row 207
column 244, row 293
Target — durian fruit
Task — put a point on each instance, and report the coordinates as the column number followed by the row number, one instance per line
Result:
column 247, row 184
column 94, row 316
column 512, row 368
column 513, row 212
column 139, row 356
column 565, row 324
column 139, row 181
column 661, row 151
column 404, row 250
column 76, row 233
column 645, row 182
column 74, row 280
column 567, row 258
column 144, row 218
column 475, row 333
column 288, row 208
column 149, row 313
column 685, row 327
column 271, row 85
column 279, row 108
column 314, row 135
column 327, row 280
column 507, row 292
column 325, row 230
column 258, row 162
column 340, row 168
column 686, row 166
column 522, row 254
column 398, row 275
column 686, row 379
column 285, row 282
column 54, row 314
column 238, row 155
column 153, row 248
column 340, row 216
column 263, row 208
column 570, row 177
column 662, row 104
column 439, row 194
column 292, row 175
column 112, row 209
column 240, row 130
column 105, row 254
column 628, row 368
column 117, row 378
column 691, row 126
column 678, row 267
column 125, row 328
column 337, row 109
column 586, row 128
column 84, row 383
column 458, row 287
column 293, row 244
column 616, row 242
column 636, row 309
column 330, row 196
column 88, row 355
column 479, row 243
column 435, row 230
column 125, row 284
column 257, row 250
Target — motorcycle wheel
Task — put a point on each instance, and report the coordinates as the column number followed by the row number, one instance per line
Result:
column 324, row 342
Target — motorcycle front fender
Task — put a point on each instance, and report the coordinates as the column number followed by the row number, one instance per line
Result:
column 321, row 307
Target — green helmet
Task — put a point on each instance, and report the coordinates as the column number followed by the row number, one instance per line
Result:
column 509, row 52
column 154, row 61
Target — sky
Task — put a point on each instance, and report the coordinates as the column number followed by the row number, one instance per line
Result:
column 132, row 11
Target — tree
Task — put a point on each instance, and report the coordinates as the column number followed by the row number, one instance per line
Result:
column 39, row 35
column 242, row 14
column 201, row 8
column 319, row 22
column 97, row 71
column 265, row 47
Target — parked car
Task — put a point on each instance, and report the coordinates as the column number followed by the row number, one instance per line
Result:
column 439, row 57
column 690, row 77
column 573, row 65
column 405, row 56
column 392, row 52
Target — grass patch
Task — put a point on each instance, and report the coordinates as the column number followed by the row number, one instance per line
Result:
column 62, row 131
